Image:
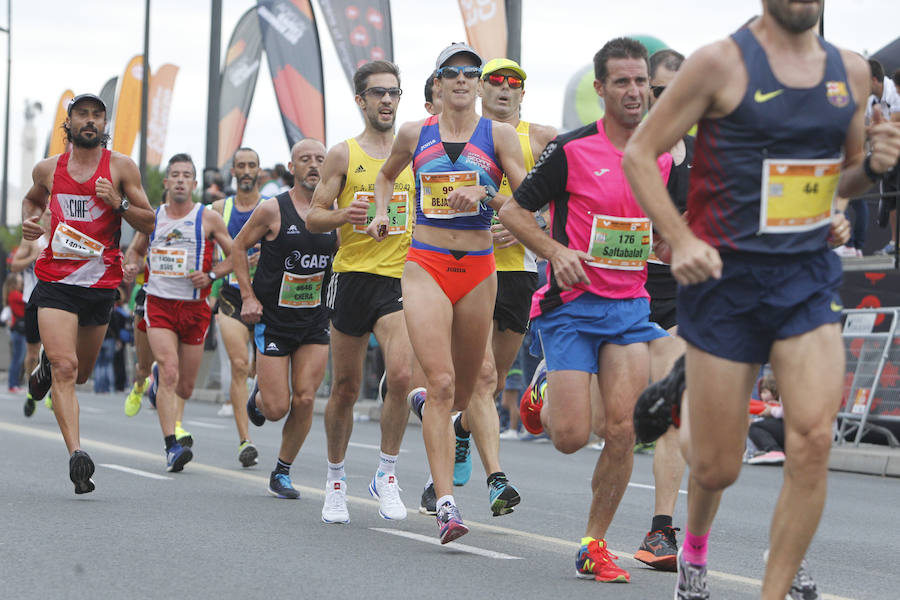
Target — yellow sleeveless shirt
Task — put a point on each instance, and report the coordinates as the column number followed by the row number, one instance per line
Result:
column 517, row 257
column 358, row 251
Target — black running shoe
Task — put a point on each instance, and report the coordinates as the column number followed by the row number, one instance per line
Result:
column 503, row 496
column 659, row 406
column 40, row 380
column 659, row 549
column 81, row 467
column 428, row 503
column 280, row 486
column 253, row 413
column 28, row 408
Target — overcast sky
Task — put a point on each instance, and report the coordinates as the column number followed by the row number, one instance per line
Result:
column 79, row 45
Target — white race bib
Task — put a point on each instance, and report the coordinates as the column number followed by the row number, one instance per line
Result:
column 168, row 262
column 70, row 244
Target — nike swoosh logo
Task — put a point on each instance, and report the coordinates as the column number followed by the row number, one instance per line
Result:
column 836, row 307
column 760, row 97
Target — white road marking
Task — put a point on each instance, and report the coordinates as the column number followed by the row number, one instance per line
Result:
column 650, row 487
column 566, row 546
column 91, row 409
column 455, row 546
column 201, row 424
column 146, row 474
column 372, row 447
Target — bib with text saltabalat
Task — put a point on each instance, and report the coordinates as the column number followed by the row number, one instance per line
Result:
column 301, row 291
column 621, row 243
column 397, row 212
column 797, row 194
column 70, row 244
column 436, row 187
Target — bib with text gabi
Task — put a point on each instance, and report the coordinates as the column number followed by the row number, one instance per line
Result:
column 797, row 194
column 397, row 212
column 301, row 291
column 70, row 244
column 437, row 186
column 621, row 243
column 168, row 262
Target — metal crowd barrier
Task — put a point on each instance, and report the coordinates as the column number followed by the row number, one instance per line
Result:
column 872, row 384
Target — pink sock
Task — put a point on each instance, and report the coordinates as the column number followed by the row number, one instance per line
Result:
column 694, row 548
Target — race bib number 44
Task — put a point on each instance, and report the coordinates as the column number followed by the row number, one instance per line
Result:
column 436, row 187
column 168, row 262
column 621, row 243
column 70, row 244
column 301, row 291
column 398, row 210
column 797, row 194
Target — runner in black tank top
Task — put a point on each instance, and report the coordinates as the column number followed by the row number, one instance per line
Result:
column 286, row 304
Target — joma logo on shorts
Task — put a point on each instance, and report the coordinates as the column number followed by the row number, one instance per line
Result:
column 456, row 270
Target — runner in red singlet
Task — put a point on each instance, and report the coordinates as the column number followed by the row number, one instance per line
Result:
column 89, row 191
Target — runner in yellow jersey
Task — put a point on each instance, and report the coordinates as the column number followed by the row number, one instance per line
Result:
column 502, row 89
column 364, row 292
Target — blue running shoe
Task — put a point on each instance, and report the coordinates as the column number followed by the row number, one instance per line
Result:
column 280, row 486
column 416, row 400
column 154, row 384
column 503, row 496
column 462, row 460
column 176, row 457
column 253, row 413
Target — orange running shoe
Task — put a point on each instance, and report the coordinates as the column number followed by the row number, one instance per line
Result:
column 533, row 400
column 595, row 561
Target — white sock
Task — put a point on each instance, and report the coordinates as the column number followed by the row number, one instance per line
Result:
column 444, row 499
column 430, row 480
column 387, row 463
column 336, row 471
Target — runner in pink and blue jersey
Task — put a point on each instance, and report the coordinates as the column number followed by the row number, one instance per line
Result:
column 593, row 314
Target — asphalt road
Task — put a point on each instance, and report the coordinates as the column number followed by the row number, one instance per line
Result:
column 213, row 532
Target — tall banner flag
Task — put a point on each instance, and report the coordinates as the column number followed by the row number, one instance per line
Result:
column 361, row 30
column 160, row 98
column 128, row 107
column 485, row 22
column 58, row 140
column 108, row 95
column 291, row 41
column 237, row 86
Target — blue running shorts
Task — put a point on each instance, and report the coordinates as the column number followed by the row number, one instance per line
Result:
column 571, row 335
column 760, row 298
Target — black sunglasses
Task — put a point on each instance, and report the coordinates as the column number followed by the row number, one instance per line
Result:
column 379, row 92
column 657, row 90
column 469, row 72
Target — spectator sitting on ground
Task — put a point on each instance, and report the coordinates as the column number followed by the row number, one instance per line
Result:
column 766, row 434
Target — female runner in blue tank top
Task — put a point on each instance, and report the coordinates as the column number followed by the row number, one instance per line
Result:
column 449, row 283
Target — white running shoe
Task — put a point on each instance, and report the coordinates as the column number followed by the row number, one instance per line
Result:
column 387, row 490
column 335, row 508
column 227, row 410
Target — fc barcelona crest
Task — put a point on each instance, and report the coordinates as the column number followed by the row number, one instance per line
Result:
column 836, row 92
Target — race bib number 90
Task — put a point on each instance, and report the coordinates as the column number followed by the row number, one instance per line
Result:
column 797, row 194
column 70, row 244
column 621, row 243
column 436, row 187
column 398, row 210
column 301, row 291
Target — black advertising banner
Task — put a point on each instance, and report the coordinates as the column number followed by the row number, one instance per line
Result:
column 291, row 41
column 361, row 30
column 238, row 84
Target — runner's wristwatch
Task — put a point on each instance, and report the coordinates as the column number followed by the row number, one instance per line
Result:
column 211, row 275
column 122, row 207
